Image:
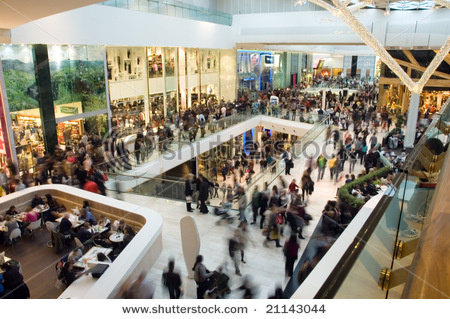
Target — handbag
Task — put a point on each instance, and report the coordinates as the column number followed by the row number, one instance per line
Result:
column 58, row 283
column 279, row 219
column 188, row 199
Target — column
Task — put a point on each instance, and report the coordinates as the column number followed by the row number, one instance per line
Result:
column 412, row 120
column 287, row 74
column 108, row 95
column 182, row 76
column 324, row 99
column 219, row 89
column 147, row 110
column 177, row 79
column 45, row 96
column 300, row 68
column 163, row 58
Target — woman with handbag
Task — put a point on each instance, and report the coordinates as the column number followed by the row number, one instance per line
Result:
column 202, row 276
column 272, row 230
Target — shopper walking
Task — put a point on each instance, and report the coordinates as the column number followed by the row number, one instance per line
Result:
column 172, row 281
column 290, row 251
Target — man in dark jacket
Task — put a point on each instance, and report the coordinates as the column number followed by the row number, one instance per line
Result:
column 204, row 191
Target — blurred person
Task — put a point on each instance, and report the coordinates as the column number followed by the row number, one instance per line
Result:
column 189, row 191
column 87, row 216
column 75, row 255
column 256, row 199
column 242, row 202
column 140, row 288
column 14, row 286
column 290, row 251
column 172, row 280
column 278, row 294
column 202, row 276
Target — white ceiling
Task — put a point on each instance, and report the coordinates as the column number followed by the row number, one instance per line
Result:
column 14, row 13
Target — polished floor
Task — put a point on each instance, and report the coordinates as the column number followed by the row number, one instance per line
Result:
column 264, row 267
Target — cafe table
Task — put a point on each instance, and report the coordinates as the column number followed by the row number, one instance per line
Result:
column 74, row 219
column 90, row 258
column 116, row 237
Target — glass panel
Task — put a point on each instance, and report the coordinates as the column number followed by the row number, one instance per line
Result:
column 122, row 4
column 227, row 75
column 209, row 61
column 127, row 88
column 78, row 75
column 22, row 94
column 155, row 63
column 143, row 5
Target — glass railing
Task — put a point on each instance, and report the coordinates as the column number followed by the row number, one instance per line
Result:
column 173, row 8
column 273, row 171
column 130, row 159
column 377, row 262
column 173, row 187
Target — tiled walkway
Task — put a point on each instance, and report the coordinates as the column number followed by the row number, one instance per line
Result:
column 264, row 267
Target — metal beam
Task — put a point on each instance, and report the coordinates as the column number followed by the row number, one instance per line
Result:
column 422, row 69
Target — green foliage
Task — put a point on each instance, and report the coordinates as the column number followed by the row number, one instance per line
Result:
column 344, row 191
column 19, row 89
column 399, row 122
column 80, row 81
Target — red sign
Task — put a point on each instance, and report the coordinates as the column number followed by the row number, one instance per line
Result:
column 4, row 142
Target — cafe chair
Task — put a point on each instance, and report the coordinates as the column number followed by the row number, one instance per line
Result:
column 33, row 226
column 50, row 227
column 14, row 235
column 78, row 243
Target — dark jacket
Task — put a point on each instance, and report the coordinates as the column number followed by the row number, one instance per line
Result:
column 65, row 226
column 188, row 187
column 204, row 190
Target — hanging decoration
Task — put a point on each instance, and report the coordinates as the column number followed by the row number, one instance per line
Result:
column 343, row 12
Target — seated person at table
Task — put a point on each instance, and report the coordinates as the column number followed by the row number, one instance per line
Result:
column 119, row 226
column 86, row 205
column 103, row 258
column 68, row 275
column 37, row 200
column 53, row 207
column 15, row 287
column 128, row 235
column 87, row 216
column 104, row 222
column 52, row 203
column 85, row 233
column 65, row 227
column 31, row 215
column 11, row 224
column 74, row 255
column 11, row 211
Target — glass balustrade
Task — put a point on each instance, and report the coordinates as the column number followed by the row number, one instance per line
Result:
column 173, row 8
column 173, row 187
column 378, row 262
